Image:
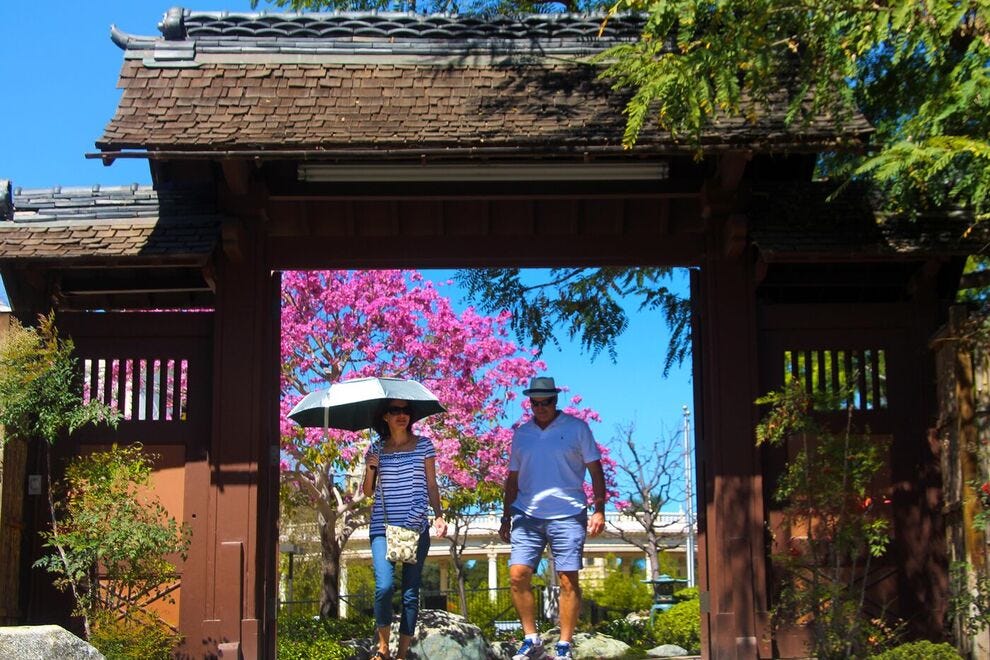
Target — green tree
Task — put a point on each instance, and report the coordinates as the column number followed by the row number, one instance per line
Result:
column 918, row 70
column 621, row 591
column 586, row 303
column 112, row 545
column 41, row 399
column 832, row 512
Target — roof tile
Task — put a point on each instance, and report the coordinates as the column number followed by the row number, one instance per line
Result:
column 87, row 224
column 531, row 103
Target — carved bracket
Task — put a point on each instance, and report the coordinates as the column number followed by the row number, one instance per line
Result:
column 734, row 233
column 233, row 234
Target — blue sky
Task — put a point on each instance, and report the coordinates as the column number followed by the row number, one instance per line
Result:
column 60, row 70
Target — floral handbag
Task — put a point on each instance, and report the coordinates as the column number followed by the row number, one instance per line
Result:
column 401, row 542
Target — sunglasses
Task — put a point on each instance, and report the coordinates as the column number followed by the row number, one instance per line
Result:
column 397, row 410
column 540, row 403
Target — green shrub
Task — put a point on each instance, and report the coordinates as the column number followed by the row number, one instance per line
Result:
column 484, row 612
column 127, row 639
column 637, row 634
column 623, row 593
column 301, row 637
column 301, row 627
column 311, row 649
column 680, row 625
column 923, row 650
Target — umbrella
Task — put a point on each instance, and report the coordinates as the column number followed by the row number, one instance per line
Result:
column 352, row 405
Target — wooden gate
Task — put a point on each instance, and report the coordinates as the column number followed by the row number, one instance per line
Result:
column 875, row 351
column 156, row 369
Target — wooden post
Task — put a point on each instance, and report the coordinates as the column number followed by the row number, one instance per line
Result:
column 732, row 550
column 240, row 581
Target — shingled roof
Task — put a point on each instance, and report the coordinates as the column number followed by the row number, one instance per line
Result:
column 129, row 224
column 381, row 85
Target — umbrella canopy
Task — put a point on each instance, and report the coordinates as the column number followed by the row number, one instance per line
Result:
column 352, row 405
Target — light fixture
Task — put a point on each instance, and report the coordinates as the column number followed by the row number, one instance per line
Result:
column 655, row 171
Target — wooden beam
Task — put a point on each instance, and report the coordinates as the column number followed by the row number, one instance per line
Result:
column 731, row 167
column 719, row 194
column 492, row 250
column 237, row 176
column 975, row 280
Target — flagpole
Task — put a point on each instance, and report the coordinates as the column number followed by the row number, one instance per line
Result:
column 689, row 504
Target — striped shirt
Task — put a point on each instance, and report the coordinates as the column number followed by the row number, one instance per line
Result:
column 402, row 479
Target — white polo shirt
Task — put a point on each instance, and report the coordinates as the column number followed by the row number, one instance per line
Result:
column 551, row 463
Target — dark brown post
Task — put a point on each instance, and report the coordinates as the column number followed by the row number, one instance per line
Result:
column 732, row 553
column 240, row 576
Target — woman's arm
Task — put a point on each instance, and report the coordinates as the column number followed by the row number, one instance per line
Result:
column 439, row 524
column 370, row 473
column 431, row 486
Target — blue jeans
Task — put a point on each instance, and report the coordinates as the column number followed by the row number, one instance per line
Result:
column 412, row 575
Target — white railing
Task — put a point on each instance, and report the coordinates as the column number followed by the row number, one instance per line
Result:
column 485, row 528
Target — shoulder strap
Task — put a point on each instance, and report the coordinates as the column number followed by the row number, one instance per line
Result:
column 378, row 486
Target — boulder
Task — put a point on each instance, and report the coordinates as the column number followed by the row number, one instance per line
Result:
column 361, row 649
column 638, row 617
column 439, row 635
column 589, row 645
column 503, row 650
column 666, row 651
column 44, row 643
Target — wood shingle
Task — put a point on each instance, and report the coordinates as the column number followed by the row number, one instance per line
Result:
column 397, row 84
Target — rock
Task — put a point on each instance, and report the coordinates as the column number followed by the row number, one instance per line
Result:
column 666, row 651
column 503, row 650
column 360, row 648
column 638, row 617
column 44, row 643
column 589, row 645
column 439, row 635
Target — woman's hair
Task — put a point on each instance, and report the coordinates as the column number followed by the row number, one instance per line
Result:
column 379, row 425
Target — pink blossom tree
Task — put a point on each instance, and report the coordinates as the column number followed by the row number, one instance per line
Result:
column 338, row 325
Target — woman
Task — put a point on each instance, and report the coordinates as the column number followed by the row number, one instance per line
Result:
column 405, row 466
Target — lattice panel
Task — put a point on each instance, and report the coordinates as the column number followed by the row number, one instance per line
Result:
column 140, row 389
column 852, row 377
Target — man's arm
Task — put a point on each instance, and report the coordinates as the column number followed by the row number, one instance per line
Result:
column 596, row 524
column 511, row 492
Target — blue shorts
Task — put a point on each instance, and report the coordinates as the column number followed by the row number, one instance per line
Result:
column 565, row 535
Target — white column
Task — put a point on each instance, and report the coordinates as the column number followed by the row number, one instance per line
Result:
column 649, row 567
column 492, row 575
column 343, row 588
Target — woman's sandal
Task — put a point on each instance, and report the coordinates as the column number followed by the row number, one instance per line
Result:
column 379, row 654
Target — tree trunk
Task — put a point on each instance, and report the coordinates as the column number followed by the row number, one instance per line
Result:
column 455, row 560
column 330, row 551
column 654, row 557
column 462, row 591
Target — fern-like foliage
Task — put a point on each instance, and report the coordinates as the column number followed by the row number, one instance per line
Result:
column 918, row 70
column 584, row 303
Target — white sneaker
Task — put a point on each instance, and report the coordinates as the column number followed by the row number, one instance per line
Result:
column 529, row 649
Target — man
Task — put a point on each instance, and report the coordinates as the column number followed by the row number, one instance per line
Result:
column 545, row 503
